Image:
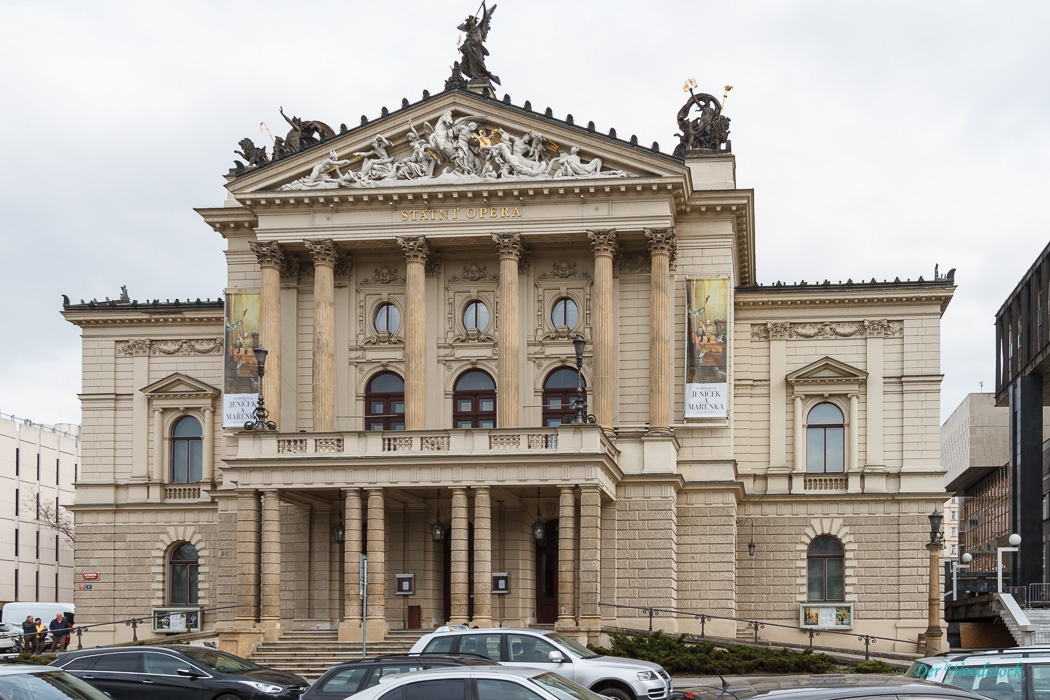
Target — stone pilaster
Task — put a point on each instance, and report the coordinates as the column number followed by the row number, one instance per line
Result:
column 208, row 447
column 603, row 244
column 417, row 252
column 270, row 564
column 482, row 556
column 247, row 557
column 376, row 627
column 508, row 369
column 271, row 259
column 798, row 467
column 590, row 559
column 566, row 558
column 160, row 457
column 350, row 627
column 460, row 563
column 324, row 256
column 661, row 248
column 852, row 465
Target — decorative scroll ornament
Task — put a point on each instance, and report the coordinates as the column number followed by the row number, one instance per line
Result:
column 508, row 245
column 564, row 270
column 385, row 275
column 135, row 347
column 454, row 150
column 142, row 346
column 269, row 254
column 827, row 329
column 603, row 241
column 415, row 248
column 323, row 251
column 473, row 273
column 708, row 131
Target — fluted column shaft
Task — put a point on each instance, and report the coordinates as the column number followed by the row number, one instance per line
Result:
column 270, row 560
column 247, row 556
column 376, row 583
column 661, row 247
column 482, row 556
column 416, row 255
column 590, row 556
column 603, row 244
column 460, row 563
column 324, row 256
column 271, row 257
column 567, row 557
column 352, row 517
column 508, row 368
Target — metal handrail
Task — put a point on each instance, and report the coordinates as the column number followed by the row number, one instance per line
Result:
column 132, row 622
column 756, row 625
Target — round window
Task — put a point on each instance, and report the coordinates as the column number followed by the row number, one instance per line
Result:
column 476, row 316
column 565, row 313
column 388, row 318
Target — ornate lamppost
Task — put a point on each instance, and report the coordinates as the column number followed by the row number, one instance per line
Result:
column 260, row 413
column 579, row 413
column 934, row 634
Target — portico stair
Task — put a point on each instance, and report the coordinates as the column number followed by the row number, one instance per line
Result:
column 310, row 653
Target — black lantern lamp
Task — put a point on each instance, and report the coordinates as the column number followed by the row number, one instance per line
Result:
column 936, row 518
column 260, row 414
column 539, row 531
column 339, row 532
column 751, row 544
column 579, row 413
column 438, row 528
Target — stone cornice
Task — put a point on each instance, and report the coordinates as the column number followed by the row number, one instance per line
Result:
column 143, row 316
column 229, row 220
column 880, row 293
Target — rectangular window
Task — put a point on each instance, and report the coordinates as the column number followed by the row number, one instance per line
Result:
column 16, row 584
column 37, row 584
column 16, row 549
column 38, row 545
column 56, row 557
column 17, row 499
column 18, row 461
column 56, row 586
column 38, row 466
column 955, row 515
column 75, row 474
column 57, row 472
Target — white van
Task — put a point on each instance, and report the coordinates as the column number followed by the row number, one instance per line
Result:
column 16, row 613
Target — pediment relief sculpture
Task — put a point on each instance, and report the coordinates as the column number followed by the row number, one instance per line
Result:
column 464, row 149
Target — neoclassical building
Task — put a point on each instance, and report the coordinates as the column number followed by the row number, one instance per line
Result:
column 418, row 282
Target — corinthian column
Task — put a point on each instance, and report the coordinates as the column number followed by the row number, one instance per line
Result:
column 271, row 257
column 603, row 243
column 416, row 254
column 661, row 247
column 508, row 372
column 324, row 256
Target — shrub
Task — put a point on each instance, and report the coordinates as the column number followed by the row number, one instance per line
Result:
column 874, row 667
column 705, row 658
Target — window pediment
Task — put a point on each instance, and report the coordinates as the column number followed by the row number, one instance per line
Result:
column 827, row 375
column 178, row 385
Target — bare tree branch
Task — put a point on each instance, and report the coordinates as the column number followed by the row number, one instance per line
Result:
column 51, row 515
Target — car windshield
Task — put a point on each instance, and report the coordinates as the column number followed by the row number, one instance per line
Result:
column 574, row 647
column 218, row 660
column 47, row 685
column 563, row 688
column 918, row 670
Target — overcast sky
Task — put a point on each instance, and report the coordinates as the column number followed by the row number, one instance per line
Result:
column 880, row 137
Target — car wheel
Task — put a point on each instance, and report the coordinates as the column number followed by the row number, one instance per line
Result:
column 228, row 696
column 615, row 693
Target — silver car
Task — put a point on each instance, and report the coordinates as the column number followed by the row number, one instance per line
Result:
column 622, row 679
column 1018, row 673
column 477, row 683
column 25, row 682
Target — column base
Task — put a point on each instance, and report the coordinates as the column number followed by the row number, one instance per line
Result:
column 350, row 630
column 934, row 636
column 458, row 620
column 376, row 629
column 778, row 480
column 565, row 623
column 481, row 621
column 592, row 624
column 272, row 628
column 798, row 483
column 240, row 641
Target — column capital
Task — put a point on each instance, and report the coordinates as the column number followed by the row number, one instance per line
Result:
column 603, row 241
column 662, row 241
column 481, row 489
column 415, row 248
column 509, row 245
column 323, row 251
column 269, row 254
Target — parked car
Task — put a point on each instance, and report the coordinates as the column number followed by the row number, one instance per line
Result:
column 621, row 679
column 478, row 683
column 354, row 676
column 179, row 671
column 25, row 682
column 10, row 639
column 825, row 687
column 1021, row 673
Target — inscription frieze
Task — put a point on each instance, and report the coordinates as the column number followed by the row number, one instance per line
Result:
column 461, row 213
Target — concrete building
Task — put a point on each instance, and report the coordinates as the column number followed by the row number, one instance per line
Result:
column 419, row 327
column 38, row 466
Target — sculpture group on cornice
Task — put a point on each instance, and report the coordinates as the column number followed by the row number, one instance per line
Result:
column 454, row 150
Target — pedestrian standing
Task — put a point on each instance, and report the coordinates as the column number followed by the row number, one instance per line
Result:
column 28, row 635
column 60, row 628
column 41, row 637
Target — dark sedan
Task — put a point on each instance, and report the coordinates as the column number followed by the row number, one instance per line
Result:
column 824, row 687
column 354, row 676
column 179, row 671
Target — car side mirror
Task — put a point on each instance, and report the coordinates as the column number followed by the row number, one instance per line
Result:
column 192, row 673
column 556, row 657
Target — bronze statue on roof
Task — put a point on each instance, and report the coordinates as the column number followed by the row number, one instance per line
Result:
column 473, row 47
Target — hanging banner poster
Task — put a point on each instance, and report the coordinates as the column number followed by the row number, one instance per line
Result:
column 240, row 386
column 707, row 348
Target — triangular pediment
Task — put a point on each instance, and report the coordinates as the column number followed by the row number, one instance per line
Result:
column 458, row 138
column 179, row 385
column 828, row 371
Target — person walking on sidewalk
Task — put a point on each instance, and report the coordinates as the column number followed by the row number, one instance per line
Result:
column 60, row 628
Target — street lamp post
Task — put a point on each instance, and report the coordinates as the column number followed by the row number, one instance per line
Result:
column 579, row 413
column 934, row 634
column 1015, row 541
column 967, row 558
column 262, row 416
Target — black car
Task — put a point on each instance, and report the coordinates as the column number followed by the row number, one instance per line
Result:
column 354, row 676
column 178, row 671
column 823, row 687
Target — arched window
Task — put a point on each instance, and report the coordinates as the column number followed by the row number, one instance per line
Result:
column 474, row 400
column 186, row 450
column 565, row 313
column 559, row 395
column 476, row 316
column 385, row 402
column 826, row 567
column 825, row 436
column 387, row 318
column 182, row 588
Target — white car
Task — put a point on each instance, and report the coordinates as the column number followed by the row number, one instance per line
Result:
column 1005, row 674
column 614, row 677
column 25, row 682
column 477, row 683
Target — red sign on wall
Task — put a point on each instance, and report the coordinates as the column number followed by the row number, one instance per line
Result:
column 90, row 575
